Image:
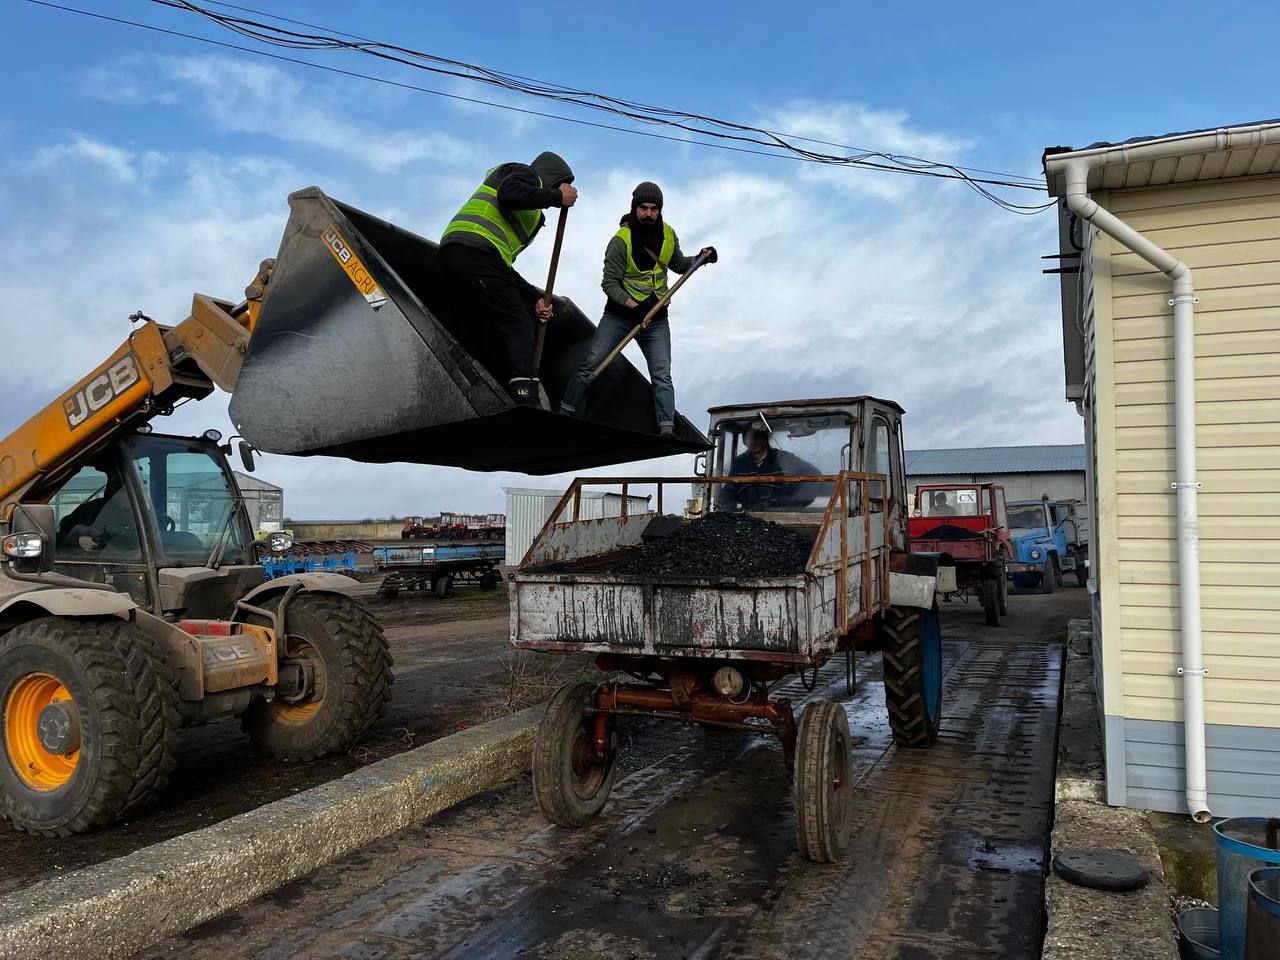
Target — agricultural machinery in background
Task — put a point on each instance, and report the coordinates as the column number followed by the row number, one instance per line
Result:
column 968, row 523
column 1048, row 540
column 456, row 526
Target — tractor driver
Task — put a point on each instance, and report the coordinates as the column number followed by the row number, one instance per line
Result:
column 940, row 507
column 106, row 521
column 761, row 458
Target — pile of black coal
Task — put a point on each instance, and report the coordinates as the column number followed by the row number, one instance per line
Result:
column 721, row 545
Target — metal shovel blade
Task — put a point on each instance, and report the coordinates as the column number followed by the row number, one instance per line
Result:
column 360, row 352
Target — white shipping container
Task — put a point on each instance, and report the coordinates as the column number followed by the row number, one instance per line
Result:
column 529, row 507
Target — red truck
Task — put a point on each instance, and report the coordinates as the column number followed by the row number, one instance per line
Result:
column 968, row 523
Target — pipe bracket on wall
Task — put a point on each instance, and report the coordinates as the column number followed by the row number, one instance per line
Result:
column 1185, row 485
column 1185, row 672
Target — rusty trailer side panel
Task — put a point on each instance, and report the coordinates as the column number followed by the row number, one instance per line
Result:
column 562, row 601
column 631, row 615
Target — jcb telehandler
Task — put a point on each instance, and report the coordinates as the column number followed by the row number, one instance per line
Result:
column 132, row 599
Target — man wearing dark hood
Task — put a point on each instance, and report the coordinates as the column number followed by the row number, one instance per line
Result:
column 479, row 249
column 635, row 278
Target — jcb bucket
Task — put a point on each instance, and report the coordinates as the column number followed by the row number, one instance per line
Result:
column 358, row 353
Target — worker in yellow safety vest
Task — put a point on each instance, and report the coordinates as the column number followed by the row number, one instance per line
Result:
column 636, row 262
column 500, row 309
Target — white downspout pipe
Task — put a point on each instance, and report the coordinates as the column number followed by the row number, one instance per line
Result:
column 1185, row 484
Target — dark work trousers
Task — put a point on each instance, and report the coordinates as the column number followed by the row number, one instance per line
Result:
column 496, row 309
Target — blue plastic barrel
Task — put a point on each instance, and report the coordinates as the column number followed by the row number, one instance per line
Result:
column 1242, row 848
column 1262, row 926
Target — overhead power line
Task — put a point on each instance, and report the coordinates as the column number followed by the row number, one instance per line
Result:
column 725, row 135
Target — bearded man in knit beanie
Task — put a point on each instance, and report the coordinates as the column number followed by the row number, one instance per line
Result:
column 636, row 262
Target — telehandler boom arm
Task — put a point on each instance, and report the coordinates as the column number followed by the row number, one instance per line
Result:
column 145, row 377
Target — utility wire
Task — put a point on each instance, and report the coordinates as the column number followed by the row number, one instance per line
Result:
column 904, row 165
column 640, row 112
column 1033, row 182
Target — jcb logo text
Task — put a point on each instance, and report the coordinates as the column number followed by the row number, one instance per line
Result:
column 100, row 391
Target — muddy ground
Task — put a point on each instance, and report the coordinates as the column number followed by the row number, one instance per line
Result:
column 694, row 855
column 452, row 669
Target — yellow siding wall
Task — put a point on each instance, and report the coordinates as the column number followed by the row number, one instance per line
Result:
column 1229, row 234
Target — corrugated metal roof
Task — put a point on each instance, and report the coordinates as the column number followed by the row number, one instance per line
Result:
column 1041, row 458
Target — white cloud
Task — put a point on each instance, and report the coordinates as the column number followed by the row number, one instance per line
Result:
column 120, row 165
column 244, row 96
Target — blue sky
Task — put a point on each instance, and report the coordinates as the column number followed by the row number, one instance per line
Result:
column 138, row 169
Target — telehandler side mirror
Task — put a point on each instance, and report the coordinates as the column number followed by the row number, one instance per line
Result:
column 700, row 465
column 246, row 456
column 29, row 544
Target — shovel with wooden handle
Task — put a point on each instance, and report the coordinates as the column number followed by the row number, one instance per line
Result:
column 653, row 311
column 551, row 282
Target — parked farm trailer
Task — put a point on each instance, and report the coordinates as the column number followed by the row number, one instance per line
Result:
column 437, row 567
column 708, row 649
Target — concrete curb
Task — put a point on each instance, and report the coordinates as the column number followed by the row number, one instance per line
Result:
column 1092, row 923
column 114, row 909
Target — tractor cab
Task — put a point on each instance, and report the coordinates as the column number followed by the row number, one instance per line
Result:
column 160, row 518
column 804, row 441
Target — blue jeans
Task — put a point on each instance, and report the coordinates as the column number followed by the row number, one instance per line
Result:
column 655, row 344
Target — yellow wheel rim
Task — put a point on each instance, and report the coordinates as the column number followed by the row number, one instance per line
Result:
column 37, row 767
column 301, row 714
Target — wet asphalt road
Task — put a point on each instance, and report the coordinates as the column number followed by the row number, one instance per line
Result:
column 694, row 856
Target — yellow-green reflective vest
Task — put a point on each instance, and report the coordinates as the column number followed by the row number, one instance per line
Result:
column 640, row 284
column 510, row 231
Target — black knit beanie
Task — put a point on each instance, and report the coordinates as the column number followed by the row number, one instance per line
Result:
column 647, row 192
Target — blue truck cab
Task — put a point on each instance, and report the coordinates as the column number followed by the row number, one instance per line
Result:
column 1041, row 550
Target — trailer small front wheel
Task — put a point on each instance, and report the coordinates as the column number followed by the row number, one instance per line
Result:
column 442, row 586
column 571, row 780
column 991, row 602
column 912, row 643
column 1082, row 574
column 822, row 789
column 489, row 580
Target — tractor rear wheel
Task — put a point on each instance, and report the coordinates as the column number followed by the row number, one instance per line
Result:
column 912, row 642
column 90, row 724
column 570, row 780
column 822, row 785
column 341, row 645
column 990, row 591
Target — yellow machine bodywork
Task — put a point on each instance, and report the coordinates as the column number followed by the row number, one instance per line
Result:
column 145, row 376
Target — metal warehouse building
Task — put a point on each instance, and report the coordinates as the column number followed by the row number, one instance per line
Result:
column 1026, row 473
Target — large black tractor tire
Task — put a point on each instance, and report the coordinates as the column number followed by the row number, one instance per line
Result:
column 822, row 785
column 912, row 642
column 103, row 684
column 1048, row 577
column 348, row 653
column 570, row 781
column 990, row 592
